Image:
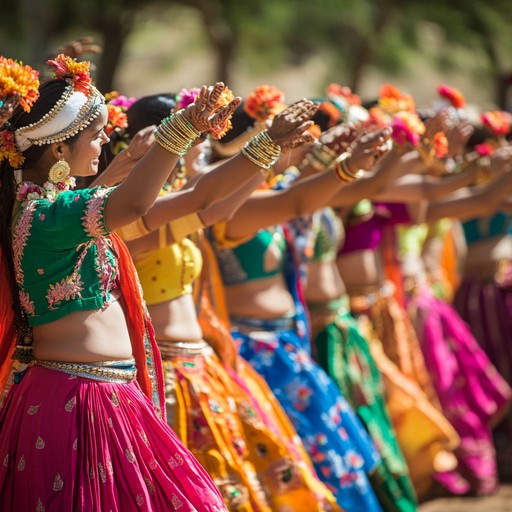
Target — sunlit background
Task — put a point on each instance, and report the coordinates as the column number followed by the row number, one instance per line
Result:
column 300, row 46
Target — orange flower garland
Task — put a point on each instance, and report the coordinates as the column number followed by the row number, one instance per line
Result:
column 264, row 102
column 15, row 78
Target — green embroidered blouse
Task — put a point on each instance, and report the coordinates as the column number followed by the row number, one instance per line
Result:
column 63, row 261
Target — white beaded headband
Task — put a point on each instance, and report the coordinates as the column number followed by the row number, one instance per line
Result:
column 70, row 115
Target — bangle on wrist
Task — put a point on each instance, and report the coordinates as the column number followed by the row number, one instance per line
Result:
column 262, row 151
column 342, row 161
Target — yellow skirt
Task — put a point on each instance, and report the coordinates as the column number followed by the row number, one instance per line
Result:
column 234, row 426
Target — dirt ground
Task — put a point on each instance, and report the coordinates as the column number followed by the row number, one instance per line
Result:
column 501, row 502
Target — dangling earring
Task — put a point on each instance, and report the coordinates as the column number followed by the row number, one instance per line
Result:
column 59, row 171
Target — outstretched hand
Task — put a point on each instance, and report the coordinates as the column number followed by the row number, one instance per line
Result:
column 203, row 114
column 289, row 126
column 368, row 149
column 340, row 137
column 77, row 47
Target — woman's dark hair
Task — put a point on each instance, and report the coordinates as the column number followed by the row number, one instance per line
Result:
column 240, row 120
column 49, row 93
column 144, row 112
column 149, row 110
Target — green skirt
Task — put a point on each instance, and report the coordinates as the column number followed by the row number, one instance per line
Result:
column 345, row 356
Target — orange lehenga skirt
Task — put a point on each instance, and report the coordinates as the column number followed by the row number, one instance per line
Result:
column 426, row 437
column 249, row 450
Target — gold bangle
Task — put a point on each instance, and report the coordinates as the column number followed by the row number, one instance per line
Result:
column 342, row 161
column 261, row 150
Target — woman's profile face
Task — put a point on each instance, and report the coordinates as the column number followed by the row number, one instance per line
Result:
column 83, row 157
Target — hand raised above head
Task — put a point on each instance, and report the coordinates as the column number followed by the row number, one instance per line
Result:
column 288, row 127
column 203, row 114
column 340, row 137
column 367, row 149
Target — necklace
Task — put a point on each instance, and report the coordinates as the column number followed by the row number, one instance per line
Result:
column 29, row 191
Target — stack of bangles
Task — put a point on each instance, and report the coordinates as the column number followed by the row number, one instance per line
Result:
column 262, row 151
column 341, row 171
column 175, row 134
column 321, row 158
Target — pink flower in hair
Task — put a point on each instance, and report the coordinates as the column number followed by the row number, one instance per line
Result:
column 407, row 128
column 454, row 96
column 187, row 97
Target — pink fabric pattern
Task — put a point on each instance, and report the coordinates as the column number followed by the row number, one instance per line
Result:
column 471, row 391
column 104, row 450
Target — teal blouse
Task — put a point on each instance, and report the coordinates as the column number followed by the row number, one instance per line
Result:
column 258, row 258
column 63, row 261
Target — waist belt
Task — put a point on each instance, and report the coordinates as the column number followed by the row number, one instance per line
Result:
column 119, row 372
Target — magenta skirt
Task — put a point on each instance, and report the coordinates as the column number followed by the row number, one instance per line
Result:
column 471, row 391
column 74, row 444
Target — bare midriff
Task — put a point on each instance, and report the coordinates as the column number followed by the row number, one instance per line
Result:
column 85, row 336
column 489, row 251
column 324, row 282
column 176, row 320
column 361, row 271
column 262, row 298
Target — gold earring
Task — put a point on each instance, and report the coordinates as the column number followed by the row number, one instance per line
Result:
column 59, row 171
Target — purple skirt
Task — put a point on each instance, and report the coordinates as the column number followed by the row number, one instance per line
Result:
column 486, row 305
column 471, row 391
column 69, row 443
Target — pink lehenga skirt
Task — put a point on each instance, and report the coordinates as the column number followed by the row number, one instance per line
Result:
column 69, row 443
column 471, row 392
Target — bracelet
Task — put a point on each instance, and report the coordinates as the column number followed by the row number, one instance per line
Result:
column 261, row 150
column 175, row 134
column 320, row 158
column 342, row 168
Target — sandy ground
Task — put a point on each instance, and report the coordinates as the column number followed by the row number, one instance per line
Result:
column 501, row 502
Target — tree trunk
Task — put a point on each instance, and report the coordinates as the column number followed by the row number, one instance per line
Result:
column 115, row 32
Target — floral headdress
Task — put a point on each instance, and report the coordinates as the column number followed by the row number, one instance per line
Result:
column 117, row 105
column 21, row 84
column 20, row 80
column 454, row 96
column 498, row 122
column 397, row 110
column 187, row 96
column 264, row 102
column 80, row 104
column 392, row 100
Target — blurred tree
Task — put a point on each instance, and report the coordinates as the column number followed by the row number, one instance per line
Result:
column 350, row 35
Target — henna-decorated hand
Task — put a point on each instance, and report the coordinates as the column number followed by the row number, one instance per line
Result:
column 202, row 114
column 340, row 137
column 7, row 109
column 501, row 159
column 288, row 127
column 77, row 47
column 368, row 149
column 434, row 124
